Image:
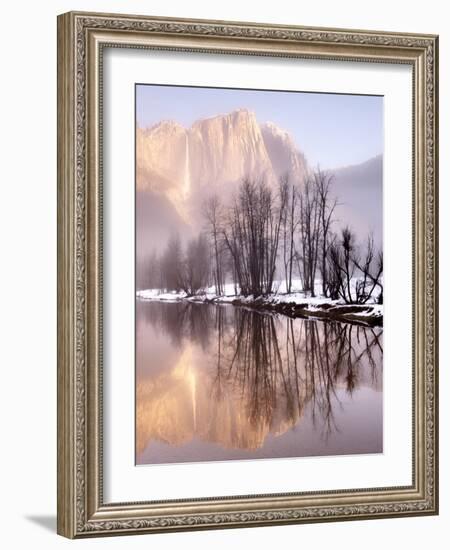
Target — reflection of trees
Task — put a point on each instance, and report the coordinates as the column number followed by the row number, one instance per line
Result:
column 278, row 366
column 181, row 320
column 259, row 373
column 337, row 355
column 256, row 363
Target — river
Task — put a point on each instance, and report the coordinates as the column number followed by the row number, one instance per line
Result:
column 220, row 382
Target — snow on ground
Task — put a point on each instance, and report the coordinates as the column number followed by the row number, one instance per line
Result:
column 297, row 296
column 376, row 310
column 154, row 294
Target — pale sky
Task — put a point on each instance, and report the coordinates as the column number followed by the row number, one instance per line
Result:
column 332, row 130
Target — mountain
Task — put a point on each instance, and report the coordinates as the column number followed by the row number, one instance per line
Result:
column 178, row 167
column 186, row 164
column 359, row 190
column 283, row 153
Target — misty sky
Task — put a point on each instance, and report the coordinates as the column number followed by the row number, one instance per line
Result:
column 332, row 130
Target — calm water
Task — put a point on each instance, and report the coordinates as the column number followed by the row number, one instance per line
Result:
column 221, row 382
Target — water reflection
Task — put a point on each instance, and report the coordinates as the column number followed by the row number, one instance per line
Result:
column 220, row 382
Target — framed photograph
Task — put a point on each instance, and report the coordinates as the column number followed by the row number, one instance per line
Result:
column 247, row 282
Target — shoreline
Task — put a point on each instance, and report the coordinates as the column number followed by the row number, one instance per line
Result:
column 366, row 314
column 294, row 306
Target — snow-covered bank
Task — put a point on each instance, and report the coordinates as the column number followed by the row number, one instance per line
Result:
column 317, row 308
column 295, row 304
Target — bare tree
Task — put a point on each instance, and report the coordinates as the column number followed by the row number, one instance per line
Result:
column 380, row 278
column 289, row 198
column 344, row 264
column 251, row 233
column 342, row 267
column 172, row 264
column 371, row 267
column 195, row 269
column 309, row 233
column 212, row 210
column 153, row 271
column 275, row 214
column 348, row 249
column 326, row 206
column 148, row 272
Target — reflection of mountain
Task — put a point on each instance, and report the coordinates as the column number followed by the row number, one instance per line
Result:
column 166, row 405
column 243, row 376
column 178, row 406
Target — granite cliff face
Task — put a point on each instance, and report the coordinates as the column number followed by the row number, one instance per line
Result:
column 178, row 167
column 186, row 164
column 283, row 153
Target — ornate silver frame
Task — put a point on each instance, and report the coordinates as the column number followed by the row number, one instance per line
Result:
column 81, row 39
